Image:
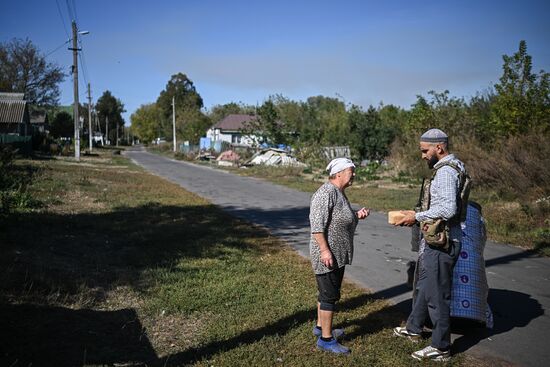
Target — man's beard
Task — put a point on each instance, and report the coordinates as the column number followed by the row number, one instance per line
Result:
column 432, row 161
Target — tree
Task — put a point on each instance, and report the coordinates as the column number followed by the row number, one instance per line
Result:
column 23, row 69
column 218, row 112
column 327, row 121
column 370, row 138
column 145, row 122
column 108, row 106
column 191, row 125
column 62, row 125
column 188, row 108
column 270, row 125
column 182, row 89
column 522, row 100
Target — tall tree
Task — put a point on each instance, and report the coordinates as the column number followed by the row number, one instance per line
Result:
column 188, row 109
column 327, row 121
column 23, row 69
column 146, row 122
column 62, row 125
column 370, row 137
column 522, row 98
column 108, row 106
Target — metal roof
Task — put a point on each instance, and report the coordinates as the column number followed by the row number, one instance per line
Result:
column 12, row 108
column 12, row 96
column 234, row 122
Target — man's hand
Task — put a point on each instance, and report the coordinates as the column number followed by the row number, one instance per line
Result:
column 326, row 258
column 408, row 219
column 363, row 213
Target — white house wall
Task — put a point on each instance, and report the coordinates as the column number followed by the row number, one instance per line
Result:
column 218, row 135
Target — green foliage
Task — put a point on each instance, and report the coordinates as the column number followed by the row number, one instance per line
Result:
column 62, row 125
column 270, row 125
column 146, row 122
column 111, row 108
column 522, row 100
column 191, row 125
column 368, row 172
column 370, row 137
column 181, row 88
column 14, row 181
column 156, row 119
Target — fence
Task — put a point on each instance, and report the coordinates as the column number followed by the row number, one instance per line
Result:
column 21, row 143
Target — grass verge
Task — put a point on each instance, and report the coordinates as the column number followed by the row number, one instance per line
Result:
column 118, row 267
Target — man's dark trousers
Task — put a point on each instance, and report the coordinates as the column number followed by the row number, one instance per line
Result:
column 433, row 294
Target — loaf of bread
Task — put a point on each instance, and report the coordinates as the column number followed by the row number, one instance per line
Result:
column 395, row 216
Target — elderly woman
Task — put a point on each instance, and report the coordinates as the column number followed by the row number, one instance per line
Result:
column 333, row 223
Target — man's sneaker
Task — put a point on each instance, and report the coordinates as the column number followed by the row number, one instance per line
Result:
column 404, row 333
column 336, row 333
column 432, row 354
column 332, row 346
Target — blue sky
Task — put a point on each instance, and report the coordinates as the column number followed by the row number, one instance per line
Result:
column 364, row 52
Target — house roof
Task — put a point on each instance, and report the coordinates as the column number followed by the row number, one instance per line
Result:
column 12, row 96
column 12, row 108
column 234, row 122
column 39, row 117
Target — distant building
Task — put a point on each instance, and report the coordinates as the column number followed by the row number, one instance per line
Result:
column 233, row 129
column 14, row 115
column 39, row 121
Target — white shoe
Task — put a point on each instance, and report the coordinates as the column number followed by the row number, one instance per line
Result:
column 432, row 354
column 404, row 333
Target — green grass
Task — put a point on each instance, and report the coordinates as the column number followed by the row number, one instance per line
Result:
column 118, row 267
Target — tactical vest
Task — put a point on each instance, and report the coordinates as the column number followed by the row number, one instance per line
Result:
column 463, row 193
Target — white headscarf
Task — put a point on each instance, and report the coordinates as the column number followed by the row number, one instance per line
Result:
column 339, row 164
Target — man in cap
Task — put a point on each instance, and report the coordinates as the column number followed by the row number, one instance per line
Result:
column 441, row 200
column 333, row 224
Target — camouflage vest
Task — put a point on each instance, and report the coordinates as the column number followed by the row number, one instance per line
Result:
column 463, row 193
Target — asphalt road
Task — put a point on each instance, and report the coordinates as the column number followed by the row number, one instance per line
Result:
column 519, row 281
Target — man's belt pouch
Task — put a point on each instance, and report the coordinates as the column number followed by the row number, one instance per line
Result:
column 435, row 232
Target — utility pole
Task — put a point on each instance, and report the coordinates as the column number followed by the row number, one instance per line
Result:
column 174, row 120
column 106, row 129
column 90, row 117
column 75, row 87
column 117, row 128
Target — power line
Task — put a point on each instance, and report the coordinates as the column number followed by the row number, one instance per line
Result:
column 70, row 10
column 82, row 61
column 51, row 52
column 75, row 13
column 62, row 19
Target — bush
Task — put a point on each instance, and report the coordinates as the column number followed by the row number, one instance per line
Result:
column 13, row 183
column 515, row 167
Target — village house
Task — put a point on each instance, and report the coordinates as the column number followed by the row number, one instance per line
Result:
column 14, row 115
column 39, row 121
column 232, row 129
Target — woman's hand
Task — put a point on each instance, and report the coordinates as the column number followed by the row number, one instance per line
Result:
column 363, row 213
column 326, row 258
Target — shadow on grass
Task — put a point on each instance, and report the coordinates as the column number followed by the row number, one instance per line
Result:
column 57, row 336
column 374, row 322
column 46, row 254
column 42, row 254
column 60, row 259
